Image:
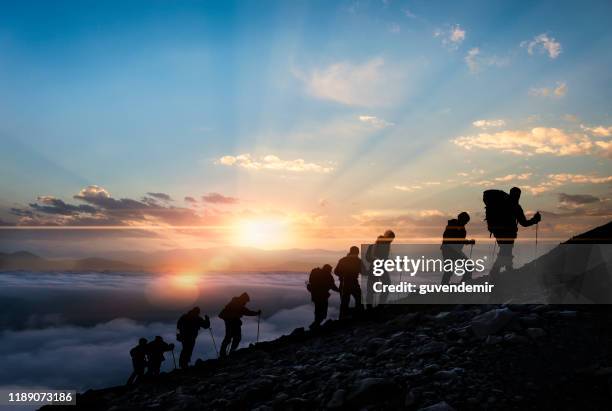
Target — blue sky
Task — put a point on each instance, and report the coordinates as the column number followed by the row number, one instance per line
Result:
column 343, row 112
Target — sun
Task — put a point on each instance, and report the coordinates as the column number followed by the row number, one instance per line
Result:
column 262, row 233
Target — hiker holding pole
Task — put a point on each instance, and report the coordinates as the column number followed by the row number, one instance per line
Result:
column 504, row 214
column 231, row 315
column 453, row 240
column 187, row 329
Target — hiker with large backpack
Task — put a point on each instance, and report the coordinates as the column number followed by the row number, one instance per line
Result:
column 504, row 214
column 453, row 240
column 231, row 315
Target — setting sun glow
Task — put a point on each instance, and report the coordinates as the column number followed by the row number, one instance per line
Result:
column 262, row 233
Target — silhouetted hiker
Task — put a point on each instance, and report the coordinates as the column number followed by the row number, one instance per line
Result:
column 139, row 361
column 320, row 282
column 503, row 214
column 155, row 352
column 187, row 329
column 453, row 239
column 231, row 315
column 378, row 251
column 347, row 270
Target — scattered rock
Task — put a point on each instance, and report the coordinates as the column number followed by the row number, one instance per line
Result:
column 441, row 406
column 337, row 400
column 535, row 332
column 491, row 322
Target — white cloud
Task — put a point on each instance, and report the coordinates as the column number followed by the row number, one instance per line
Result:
column 272, row 162
column 514, row 177
column 375, row 121
column 553, row 181
column 488, row 123
column 451, row 37
column 395, row 28
column 544, row 44
column 605, row 147
column 369, row 84
column 599, row 131
column 408, row 188
column 538, row 140
column 475, row 60
column 94, row 191
column 559, row 91
column 470, row 59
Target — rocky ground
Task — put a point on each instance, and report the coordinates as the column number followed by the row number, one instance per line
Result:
column 402, row 357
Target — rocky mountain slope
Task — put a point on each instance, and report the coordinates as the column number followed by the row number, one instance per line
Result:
column 414, row 357
column 402, row 357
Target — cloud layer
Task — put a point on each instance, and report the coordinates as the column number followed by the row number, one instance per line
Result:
column 102, row 209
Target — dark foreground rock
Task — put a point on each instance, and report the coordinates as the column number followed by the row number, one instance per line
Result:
column 402, row 357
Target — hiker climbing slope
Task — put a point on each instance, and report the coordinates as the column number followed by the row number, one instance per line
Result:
column 503, row 215
column 347, row 270
column 320, row 282
column 231, row 315
column 139, row 361
column 453, row 240
column 187, row 329
column 155, row 352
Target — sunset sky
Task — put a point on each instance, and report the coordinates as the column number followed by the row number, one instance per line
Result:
column 297, row 124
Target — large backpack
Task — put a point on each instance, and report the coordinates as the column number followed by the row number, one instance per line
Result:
column 229, row 311
column 498, row 212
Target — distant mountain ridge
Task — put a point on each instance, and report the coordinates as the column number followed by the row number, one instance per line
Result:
column 177, row 260
column 24, row 260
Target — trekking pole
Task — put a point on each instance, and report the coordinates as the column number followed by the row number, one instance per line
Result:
column 258, row 318
column 212, row 336
column 471, row 248
column 535, row 257
column 173, row 358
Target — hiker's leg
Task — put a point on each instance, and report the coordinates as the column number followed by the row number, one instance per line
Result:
column 132, row 378
column 505, row 254
column 345, row 298
column 236, row 336
column 319, row 314
column 186, row 352
column 370, row 291
column 356, row 293
column 226, row 340
column 385, row 279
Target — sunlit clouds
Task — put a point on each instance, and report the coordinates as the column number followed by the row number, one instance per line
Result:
column 557, row 91
column 543, row 43
column 451, row 37
column 370, row 83
column 273, row 163
column 536, row 141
